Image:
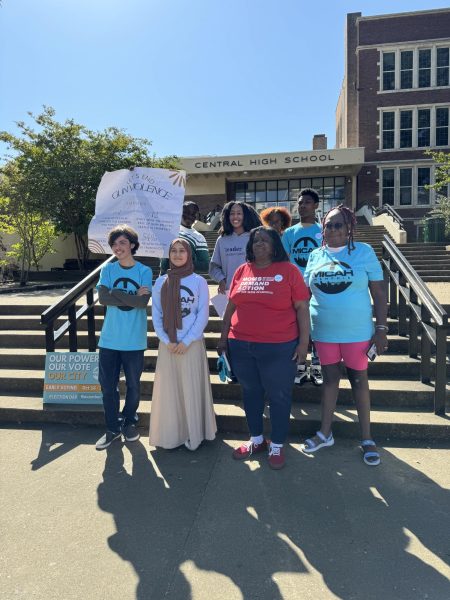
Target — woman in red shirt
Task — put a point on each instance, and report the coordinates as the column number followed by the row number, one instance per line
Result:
column 265, row 331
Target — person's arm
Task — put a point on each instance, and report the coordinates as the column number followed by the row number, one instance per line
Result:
column 226, row 324
column 302, row 310
column 215, row 268
column 157, row 313
column 106, row 297
column 139, row 300
column 378, row 292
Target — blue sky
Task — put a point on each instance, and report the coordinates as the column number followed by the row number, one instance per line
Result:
column 196, row 77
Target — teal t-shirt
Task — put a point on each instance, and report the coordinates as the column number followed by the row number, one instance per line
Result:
column 125, row 327
column 340, row 306
column 300, row 241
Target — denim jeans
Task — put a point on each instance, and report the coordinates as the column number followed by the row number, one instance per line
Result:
column 265, row 369
column 110, row 362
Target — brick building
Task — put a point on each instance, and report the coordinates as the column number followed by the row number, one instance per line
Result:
column 395, row 103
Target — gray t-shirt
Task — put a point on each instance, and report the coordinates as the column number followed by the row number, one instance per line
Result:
column 229, row 254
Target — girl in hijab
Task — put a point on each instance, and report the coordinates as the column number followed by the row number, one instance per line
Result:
column 182, row 406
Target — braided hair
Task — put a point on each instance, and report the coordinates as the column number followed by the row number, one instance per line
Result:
column 349, row 220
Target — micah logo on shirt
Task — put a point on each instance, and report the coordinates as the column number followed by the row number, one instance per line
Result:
column 302, row 249
column 126, row 285
column 186, row 298
column 333, row 277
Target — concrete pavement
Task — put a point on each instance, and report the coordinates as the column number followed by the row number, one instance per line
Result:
column 133, row 524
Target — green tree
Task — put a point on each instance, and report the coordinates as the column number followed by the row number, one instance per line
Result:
column 442, row 181
column 62, row 165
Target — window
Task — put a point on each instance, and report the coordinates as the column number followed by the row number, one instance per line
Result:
column 388, row 70
column 442, row 127
column 424, row 68
column 423, row 127
column 406, row 69
column 406, row 128
column 388, row 186
column 412, row 67
column 442, row 66
column 406, row 186
column 388, row 130
column 415, row 127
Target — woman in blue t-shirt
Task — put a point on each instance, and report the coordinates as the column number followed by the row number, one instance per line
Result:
column 343, row 276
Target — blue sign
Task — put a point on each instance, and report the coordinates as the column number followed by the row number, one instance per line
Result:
column 72, row 378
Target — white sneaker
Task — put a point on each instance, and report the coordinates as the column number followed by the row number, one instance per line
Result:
column 316, row 374
column 302, row 375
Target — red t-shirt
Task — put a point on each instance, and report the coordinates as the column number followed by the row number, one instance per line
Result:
column 264, row 302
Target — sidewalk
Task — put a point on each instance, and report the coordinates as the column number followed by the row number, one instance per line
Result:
column 129, row 524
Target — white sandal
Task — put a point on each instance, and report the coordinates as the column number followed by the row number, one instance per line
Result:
column 370, row 454
column 311, row 446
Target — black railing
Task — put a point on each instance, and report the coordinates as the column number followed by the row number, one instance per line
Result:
column 419, row 317
column 66, row 307
column 387, row 209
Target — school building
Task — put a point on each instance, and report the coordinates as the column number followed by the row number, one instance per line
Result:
column 394, row 105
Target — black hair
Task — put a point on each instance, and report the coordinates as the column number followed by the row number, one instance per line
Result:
column 309, row 192
column 278, row 252
column 126, row 231
column 251, row 217
column 349, row 220
column 190, row 203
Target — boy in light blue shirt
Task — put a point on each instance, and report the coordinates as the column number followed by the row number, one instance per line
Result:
column 299, row 241
column 124, row 287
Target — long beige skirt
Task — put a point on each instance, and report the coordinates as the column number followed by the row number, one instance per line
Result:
column 182, row 405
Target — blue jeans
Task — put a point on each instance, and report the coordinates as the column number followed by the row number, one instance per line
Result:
column 109, row 365
column 265, row 369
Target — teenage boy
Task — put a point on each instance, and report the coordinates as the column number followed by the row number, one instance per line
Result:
column 124, row 287
column 200, row 254
column 299, row 241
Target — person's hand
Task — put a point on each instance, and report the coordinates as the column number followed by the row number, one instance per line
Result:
column 221, row 288
column 171, row 347
column 222, row 347
column 300, row 354
column 180, row 348
column 143, row 291
column 380, row 340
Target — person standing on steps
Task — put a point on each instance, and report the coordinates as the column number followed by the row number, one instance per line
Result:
column 277, row 217
column 182, row 405
column 299, row 241
column 343, row 276
column 124, row 288
column 197, row 241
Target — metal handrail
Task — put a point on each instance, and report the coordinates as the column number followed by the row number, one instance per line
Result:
column 387, row 208
column 67, row 306
column 420, row 318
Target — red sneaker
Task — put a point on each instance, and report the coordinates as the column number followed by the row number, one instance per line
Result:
column 249, row 448
column 277, row 459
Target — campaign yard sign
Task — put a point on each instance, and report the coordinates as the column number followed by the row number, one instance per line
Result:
column 149, row 200
column 72, row 378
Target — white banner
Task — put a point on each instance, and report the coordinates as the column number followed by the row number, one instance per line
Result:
column 149, row 200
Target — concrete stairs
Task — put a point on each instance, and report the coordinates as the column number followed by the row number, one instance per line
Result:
column 402, row 406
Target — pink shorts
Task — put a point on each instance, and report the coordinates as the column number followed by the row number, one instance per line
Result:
column 353, row 354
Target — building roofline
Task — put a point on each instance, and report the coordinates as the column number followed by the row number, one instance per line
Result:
column 403, row 14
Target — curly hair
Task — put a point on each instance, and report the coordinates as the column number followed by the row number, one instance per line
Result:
column 286, row 219
column 251, row 217
column 350, row 221
column 127, row 232
column 278, row 252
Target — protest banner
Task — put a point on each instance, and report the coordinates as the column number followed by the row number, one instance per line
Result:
column 149, row 200
column 72, row 378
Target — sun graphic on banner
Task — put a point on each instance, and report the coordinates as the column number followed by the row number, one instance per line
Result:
column 178, row 178
column 96, row 247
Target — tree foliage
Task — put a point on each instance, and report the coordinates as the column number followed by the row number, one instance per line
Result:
column 442, row 181
column 61, row 165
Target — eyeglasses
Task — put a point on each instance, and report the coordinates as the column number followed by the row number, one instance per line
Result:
column 336, row 226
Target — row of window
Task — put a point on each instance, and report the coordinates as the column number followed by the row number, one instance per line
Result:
column 416, row 127
column 284, row 192
column 415, row 68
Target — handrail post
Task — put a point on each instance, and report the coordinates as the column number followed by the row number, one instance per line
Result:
column 91, row 320
column 402, row 307
column 413, row 327
column 73, row 338
column 50, row 337
column 441, row 371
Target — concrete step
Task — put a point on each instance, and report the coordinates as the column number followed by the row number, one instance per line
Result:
column 305, row 419
column 384, row 392
column 389, row 365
